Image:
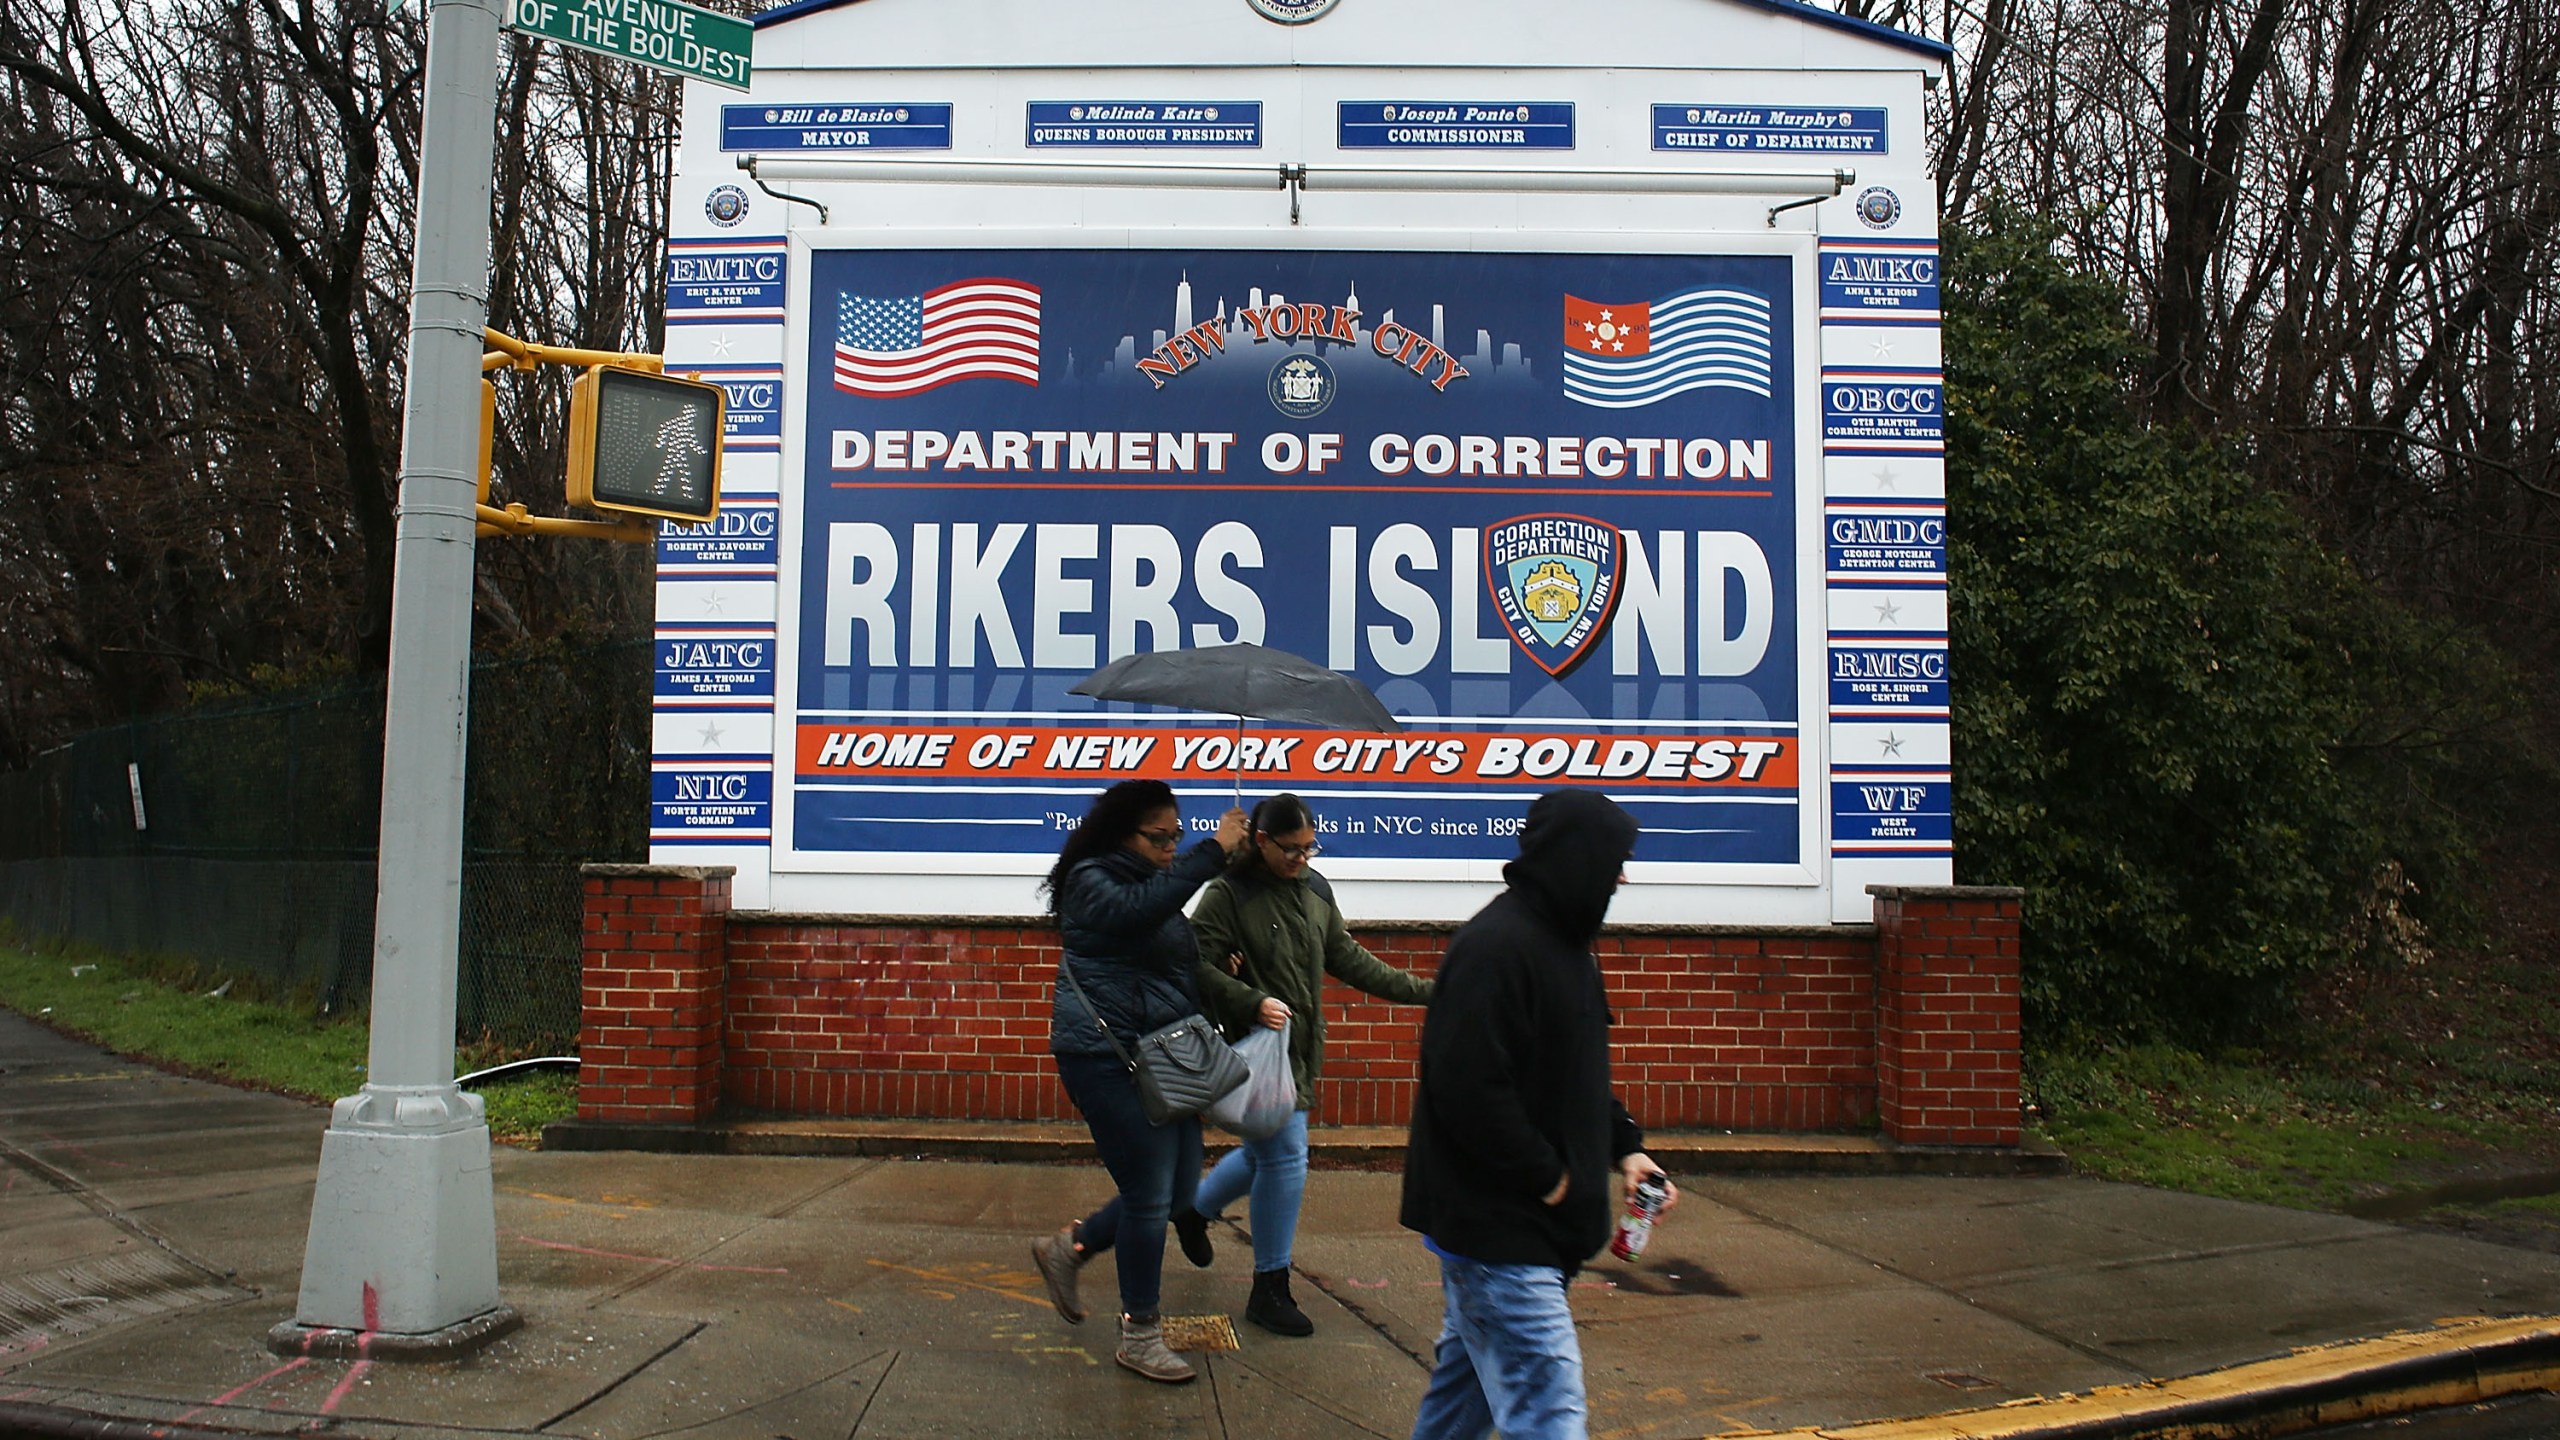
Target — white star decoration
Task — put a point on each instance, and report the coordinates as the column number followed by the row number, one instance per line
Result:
column 1892, row 743
column 711, row 735
column 1885, row 477
column 1884, row 349
column 720, row 343
column 713, row 604
column 1889, row 613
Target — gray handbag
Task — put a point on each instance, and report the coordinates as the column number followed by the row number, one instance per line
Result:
column 1181, row 1069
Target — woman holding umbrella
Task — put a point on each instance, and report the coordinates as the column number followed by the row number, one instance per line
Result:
column 1118, row 889
column 1273, row 919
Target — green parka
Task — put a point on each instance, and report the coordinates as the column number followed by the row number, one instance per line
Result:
column 1291, row 935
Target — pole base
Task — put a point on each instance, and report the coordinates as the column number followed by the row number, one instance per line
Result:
column 292, row 1337
column 404, row 1220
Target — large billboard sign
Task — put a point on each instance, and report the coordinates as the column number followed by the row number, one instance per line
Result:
column 1548, row 506
column 1591, row 415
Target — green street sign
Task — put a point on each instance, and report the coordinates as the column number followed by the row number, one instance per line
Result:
column 663, row 34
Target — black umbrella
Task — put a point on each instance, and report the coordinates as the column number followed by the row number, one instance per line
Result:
column 1242, row 680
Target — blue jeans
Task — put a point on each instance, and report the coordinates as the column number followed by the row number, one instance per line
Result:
column 1157, row 1167
column 1274, row 1168
column 1508, row 1358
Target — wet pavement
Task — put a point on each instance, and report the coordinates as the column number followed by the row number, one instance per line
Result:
column 152, row 1228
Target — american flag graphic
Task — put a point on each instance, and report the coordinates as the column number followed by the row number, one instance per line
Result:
column 1623, row 356
column 983, row 329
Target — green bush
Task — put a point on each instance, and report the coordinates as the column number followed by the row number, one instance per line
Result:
column 2214, row 759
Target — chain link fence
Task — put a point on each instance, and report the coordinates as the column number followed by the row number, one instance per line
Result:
column 239, row 840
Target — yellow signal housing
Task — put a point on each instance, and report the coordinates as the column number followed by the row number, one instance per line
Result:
column 645, row 443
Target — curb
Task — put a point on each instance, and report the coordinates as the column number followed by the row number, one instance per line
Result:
column 2460, row 1362
column 55, row 1422
column 1367, row 1147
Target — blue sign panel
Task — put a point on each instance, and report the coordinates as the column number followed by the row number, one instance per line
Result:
column 1545, row 506
column 1885, row 545
column 1770, row 129
column 1886, row 281
column 744, row 535
column 1884, row 410
column 710, row 281
column 754, row 403
column 1143, row 124
column 783, row 129
column 710, row 804
column 1453, row 125
column 1893, row 813
column 1872, row 677
column 715, row 666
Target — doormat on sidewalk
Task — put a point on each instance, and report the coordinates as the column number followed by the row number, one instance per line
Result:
column 1201, row 1334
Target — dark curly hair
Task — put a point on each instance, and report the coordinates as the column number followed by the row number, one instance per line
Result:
column 1115, row 816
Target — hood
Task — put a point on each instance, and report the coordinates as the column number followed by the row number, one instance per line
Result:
column 1571, row 850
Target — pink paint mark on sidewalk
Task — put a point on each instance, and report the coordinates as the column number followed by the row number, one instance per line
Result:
column 227, row 1396
column 84, row 1152
column 337, row 1396
column 654, row 1259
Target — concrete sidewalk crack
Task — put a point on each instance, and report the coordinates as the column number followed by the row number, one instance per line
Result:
column 1317, row 1401
column 627, row 1376
column 72, row 1186
column 878, row 1390
column 823, row 1191
column 1361, row 1314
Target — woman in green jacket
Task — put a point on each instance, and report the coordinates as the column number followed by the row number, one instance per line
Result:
column 1269, row 932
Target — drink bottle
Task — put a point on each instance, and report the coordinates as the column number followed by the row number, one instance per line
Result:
column 1644, row 1202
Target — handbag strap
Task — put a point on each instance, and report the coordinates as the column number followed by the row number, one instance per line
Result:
column 1068, row 969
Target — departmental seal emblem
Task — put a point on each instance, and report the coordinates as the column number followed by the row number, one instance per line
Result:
column 1554, row 580
column 726, row 205
column 1291, row 12
column 1879, row 208
column 1301, row 386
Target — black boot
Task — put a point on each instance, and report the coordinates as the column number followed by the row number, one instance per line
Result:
column 1192, row 1229
column 1272, row 1308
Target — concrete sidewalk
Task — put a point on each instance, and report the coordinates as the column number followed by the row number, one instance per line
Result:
column 151, row 1229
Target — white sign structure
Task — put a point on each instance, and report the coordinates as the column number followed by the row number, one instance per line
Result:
column 1580, row 397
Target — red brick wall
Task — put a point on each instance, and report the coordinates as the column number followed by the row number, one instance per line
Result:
column 1947, row 1014
column 652, row 992
column 1804, row 1028
column 1758, row 1030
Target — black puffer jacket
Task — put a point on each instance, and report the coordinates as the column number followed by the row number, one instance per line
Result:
column 1120, row 923
column 1515, row 1055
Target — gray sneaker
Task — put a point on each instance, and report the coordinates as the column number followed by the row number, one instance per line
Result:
column 1057, row 1260
column 1142, row 1349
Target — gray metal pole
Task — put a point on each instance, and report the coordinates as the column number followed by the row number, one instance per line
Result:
column 403, row 1234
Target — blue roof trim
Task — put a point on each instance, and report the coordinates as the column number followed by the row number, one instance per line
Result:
column 797, row 8
column 1798, row 9
column 1935, row 49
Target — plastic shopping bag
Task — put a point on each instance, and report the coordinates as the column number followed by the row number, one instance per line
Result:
column 1260, row 1106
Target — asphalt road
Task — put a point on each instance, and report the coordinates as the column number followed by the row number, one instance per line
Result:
column 2526, row 1417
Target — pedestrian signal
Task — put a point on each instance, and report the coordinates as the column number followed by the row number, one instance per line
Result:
column 642, row 443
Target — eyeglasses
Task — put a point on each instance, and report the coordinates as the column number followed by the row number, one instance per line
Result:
column 1298, row 852
column 1161, row 839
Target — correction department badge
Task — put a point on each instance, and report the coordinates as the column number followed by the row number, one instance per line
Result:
column 726, row 205
column 1301, row 386
column 1554, row 580
column 1879, row 208
column 1290, row 12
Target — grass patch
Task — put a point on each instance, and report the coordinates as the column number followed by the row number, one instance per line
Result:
column 164, row 1013
column 2248, row 1127
column 518, row 1109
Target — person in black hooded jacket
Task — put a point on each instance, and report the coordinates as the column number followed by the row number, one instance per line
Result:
column 1516, row 1130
